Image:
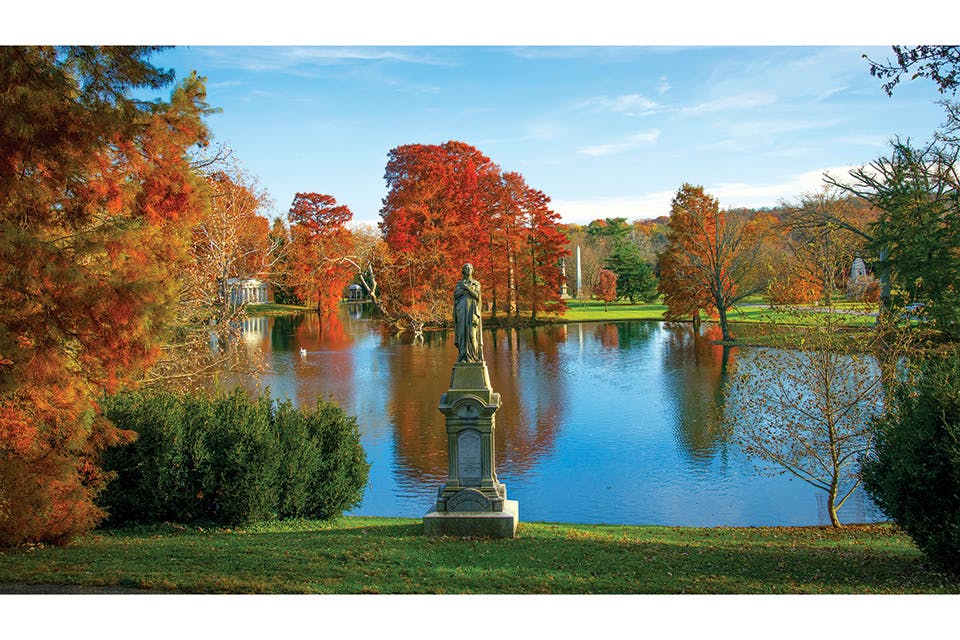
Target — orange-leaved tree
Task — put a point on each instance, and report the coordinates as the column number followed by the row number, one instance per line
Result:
column 711, row 258
column 318, row 238
column 605, row 287
column 542, row 277
column 96, row 200
column 826, row 231
column 432, row 222
column 525, row 248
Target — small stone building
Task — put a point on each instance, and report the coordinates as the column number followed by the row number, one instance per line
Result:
column 355, row 293
column 246, row 290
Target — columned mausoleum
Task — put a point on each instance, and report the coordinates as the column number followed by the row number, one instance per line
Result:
column 246, row 290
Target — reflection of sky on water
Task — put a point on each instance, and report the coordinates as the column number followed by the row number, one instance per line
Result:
column 600, row 422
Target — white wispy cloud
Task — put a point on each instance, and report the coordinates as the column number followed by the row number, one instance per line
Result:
column 640, row 139
column 663, row 86
column 730, row 195
column 742, row 194
column 582, row 211
column 749, row 100
column 292, row 58
column 225, row 84
column 829, row 92
column 632, row 104
column 756, row 128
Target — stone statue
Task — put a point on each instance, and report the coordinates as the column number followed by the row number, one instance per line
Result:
column 466, row 318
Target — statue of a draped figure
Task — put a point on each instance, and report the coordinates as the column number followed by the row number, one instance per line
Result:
column 466, row 318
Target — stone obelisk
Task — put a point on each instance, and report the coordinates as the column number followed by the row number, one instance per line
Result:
column 579, row 290
column 472, row 502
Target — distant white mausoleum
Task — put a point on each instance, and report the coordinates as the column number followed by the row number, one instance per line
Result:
column 246, row 290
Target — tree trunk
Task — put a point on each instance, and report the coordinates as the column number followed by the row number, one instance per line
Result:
column 493, row 279
column 832, row 504
column 534, row 294
column 724, row 327
column 512, row 304
column 886, row 299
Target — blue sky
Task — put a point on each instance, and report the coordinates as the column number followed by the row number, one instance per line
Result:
column 603, row 131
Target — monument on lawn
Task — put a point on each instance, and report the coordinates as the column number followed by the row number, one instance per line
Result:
column 473, row 502
column 579, row 290
column 563, row 280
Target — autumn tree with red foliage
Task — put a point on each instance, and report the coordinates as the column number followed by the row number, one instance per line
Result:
column 546, row 246
column 605, row 287
column 450, row 204
column 318, row 239
column 96, row 200
column 432, row 222
column 710, row 261
column 526, row 246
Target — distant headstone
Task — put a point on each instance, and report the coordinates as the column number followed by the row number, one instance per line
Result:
column 473, row 502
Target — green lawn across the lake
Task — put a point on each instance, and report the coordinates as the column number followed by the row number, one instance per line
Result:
column 390, row 555
column 753, row 311
column 273, row 309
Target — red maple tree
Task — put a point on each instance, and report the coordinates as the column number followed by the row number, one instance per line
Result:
column 605, row 287
column 318, row 238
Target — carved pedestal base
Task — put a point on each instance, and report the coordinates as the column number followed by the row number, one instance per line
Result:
column 472, row 502
column 470, row 524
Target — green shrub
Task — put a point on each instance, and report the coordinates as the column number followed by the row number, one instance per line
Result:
column 915, row 473
column 231, row 459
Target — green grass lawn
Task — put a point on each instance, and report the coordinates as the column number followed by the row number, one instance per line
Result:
column 755, row 310
column 592, row 310
column 273, row 309
column 389, row 555
column 851, row 316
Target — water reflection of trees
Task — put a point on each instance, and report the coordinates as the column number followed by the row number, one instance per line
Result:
column 699, row 389
column 322, row 334
column 607, row 335
column 416, row 380
column 527, row 421
column 534, row 404
column 631, row 335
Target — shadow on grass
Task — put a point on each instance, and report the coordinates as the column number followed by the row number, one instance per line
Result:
column 378, row 557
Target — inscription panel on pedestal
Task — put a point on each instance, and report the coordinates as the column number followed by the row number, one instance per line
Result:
column 468, row 500
column 468, row 457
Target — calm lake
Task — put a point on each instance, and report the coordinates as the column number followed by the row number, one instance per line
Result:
column 602, row 422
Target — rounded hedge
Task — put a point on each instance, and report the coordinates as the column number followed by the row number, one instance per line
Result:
column 914, row 475
column 230, row 459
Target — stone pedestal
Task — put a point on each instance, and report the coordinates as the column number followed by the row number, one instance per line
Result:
column 472, row 502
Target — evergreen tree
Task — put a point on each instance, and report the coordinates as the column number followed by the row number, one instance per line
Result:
column 635, row 279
